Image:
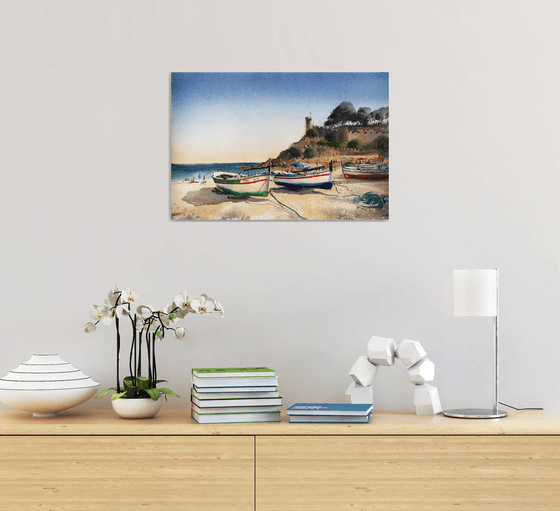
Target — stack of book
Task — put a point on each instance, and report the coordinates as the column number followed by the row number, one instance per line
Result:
column 235, row 394
column 323, row 412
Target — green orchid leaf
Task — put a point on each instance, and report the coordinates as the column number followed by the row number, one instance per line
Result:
column 128, row 382
column 142, row 383
column 154, row 393
column 160, row 381
column 117, row 396
column 169, row 392
column 105, row 392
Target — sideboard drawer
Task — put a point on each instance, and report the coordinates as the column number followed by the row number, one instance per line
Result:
column 126, row 473
column 408, row 472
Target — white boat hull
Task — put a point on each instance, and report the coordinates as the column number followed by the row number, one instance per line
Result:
column 370, row 171
column 320, row 179
column 254, row 186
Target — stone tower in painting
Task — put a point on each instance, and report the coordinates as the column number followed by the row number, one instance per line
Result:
column 308, row 123
column 345, row 135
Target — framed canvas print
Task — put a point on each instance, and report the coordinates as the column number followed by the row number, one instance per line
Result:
column 279, row 146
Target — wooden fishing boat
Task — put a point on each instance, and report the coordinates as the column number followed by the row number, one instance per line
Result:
column 365, row 171
column 317, row 177
column 257, row 185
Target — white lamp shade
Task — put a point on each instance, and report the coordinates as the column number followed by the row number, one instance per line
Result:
column 476, row 292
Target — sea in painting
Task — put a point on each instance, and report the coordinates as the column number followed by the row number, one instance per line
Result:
column 279, row 146
column 203, row 171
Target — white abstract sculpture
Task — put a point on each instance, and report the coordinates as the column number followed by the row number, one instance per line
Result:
column 422, row 372
column 410, row 352
column 382, row 351
column 357, row 394
column 426, row 400
column 363, row 371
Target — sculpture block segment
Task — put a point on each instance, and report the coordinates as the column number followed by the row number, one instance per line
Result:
column 357, row 394
column 363, row 371
column 422, row 372
column 410, row 352
column 381, row 351
column 426, row 400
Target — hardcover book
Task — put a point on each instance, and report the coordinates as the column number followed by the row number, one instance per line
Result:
column 233, row 372
column 345, row 419
column 245, row 381
column 236, row 417
column 329, row 409
column 209, row 394
column 225, row 403
column 232, row 390
column 233, row 409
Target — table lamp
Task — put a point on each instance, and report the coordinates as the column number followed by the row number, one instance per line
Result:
column 476, row 294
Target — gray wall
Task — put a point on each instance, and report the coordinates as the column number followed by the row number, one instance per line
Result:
column 474, row 184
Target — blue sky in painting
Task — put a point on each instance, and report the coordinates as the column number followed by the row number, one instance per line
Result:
column 219, row 117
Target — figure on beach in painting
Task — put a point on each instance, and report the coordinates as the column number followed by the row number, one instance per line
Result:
column 244, row 146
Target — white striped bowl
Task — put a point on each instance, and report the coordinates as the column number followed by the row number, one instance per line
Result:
column 46, row 385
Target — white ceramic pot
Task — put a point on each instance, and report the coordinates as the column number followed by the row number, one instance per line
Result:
column 46, row 385
column 142, row 408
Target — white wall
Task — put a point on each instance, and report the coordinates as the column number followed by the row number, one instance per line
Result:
column 474, row 184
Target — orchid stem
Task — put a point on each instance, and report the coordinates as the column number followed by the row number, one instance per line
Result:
column 135, row 360
column 118, row 353
column 154, row 370
column 132, row 352
column 149, row 357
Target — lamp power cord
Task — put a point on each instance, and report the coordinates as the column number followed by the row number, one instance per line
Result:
column 509, row 406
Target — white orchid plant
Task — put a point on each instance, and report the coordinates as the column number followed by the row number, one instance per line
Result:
column 148, row 324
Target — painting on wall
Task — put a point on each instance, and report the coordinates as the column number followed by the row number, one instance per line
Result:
column 279, row 146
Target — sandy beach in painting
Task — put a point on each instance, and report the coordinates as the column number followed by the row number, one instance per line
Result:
column 198, row 201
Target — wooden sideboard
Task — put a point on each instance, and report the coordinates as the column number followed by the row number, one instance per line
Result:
column 93, row 460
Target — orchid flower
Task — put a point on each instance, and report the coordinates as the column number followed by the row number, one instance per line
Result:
column 118, row 311
column 100, row 313
column 219, row 308
column 180, row 312
column 128, row 296
column 114, row 296
column 183, row 301
column 164, row 320
column 90, row 327
column 202, row 305
column 145, row 311
column 179, row 332
column 169, row 317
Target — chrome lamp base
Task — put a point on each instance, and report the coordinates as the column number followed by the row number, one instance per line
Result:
column 475, row 413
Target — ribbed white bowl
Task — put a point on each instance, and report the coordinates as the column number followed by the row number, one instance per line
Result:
column 46, row 385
